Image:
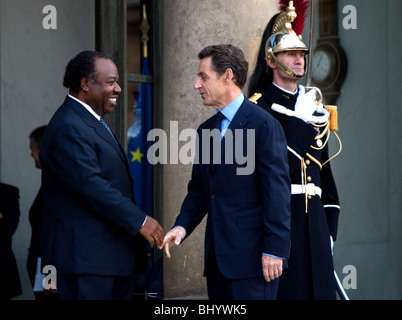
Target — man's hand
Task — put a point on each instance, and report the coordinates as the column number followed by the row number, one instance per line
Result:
column 153, row 232
column 305, row 104
column 1, row 215
column 51, row 290
column 271, row 267
column 173, row 237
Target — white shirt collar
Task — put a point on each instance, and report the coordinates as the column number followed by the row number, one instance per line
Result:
column 292, row 93
column 86, row 107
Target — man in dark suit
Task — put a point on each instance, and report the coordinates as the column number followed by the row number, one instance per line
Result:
column 35, row 219
column 247, row 232
column 92, row 232
column 10, row 285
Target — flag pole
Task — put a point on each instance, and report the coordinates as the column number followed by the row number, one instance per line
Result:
column 144, row 27
column 313, row 7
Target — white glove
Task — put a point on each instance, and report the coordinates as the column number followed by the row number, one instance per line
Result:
column 320, row 108
column 305, row 107
column 306, row 104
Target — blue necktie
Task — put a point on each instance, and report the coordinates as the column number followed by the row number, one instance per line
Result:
column 218, row 125
column 219, row 118
column 107, row 128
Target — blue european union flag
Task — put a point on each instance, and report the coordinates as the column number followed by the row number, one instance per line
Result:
column 137, row 148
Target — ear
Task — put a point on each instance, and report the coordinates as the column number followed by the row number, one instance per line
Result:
column 85, row 83
column 229, row 74
column 271, row 64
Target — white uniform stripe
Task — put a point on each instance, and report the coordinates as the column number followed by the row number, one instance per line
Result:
column 294, row 152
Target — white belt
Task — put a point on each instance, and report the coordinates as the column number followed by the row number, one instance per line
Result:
column 311, row 188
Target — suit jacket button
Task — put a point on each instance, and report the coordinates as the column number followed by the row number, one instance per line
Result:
column 213, row 197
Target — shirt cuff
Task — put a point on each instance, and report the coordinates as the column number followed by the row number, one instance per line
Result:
column 271, row 255
column 144, row 221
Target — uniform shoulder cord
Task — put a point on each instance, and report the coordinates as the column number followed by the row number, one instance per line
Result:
column 303, row 163
column 318, row 138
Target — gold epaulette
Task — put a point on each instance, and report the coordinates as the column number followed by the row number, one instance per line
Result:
column 254, row 98
column 333, row 117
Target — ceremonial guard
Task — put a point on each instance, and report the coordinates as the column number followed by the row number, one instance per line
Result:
column 307, row 125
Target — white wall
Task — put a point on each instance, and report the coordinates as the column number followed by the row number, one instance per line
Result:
column 368, row 171
column 32, row 67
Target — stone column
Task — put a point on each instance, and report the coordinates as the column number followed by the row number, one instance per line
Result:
column 189, row 26
column 111, row 40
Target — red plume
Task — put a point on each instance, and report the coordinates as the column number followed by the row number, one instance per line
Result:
column 301, row 11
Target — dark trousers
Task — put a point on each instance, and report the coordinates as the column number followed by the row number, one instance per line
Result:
column 221, row 288
column 87, row 287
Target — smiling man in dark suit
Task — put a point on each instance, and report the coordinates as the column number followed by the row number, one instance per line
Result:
column 92, row 232
column 247, row 232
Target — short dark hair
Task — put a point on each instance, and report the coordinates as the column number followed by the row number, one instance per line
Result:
column 37, row 134
column 82, row 65
column 227, row 56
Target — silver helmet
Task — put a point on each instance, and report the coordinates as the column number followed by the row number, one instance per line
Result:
column 284, row 38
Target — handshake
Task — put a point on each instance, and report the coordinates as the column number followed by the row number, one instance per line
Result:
column 308, row 107
column 154, row 234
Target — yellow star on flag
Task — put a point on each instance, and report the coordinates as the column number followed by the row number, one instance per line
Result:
column 137, row 155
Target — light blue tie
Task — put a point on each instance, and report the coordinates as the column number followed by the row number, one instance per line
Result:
column 107, row 128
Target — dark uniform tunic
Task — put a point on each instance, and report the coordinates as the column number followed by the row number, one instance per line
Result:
column 311, row 272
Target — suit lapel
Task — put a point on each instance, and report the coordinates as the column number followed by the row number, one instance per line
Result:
column 240, row 120
column 100, row 130
column 103, row 133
